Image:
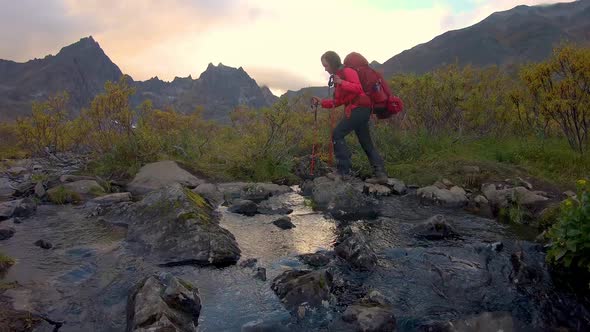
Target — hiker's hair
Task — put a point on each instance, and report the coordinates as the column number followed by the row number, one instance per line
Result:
column 332, row 59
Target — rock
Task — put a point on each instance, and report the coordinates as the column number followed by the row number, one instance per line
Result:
column 262, row 191
column 74, row 178
column 43, row 244
column 250, row 262
column 372, row 314
column 298, row 287
column 398, row 186
column 435, row 228
column 40, row 190
column 18, row 208
column 455, row 197
column 180, row 227
column 350, row 204
column 569, row 194
column 356, row 251
column 264, row 326
column 447, row 183
column 522, row 273
column 376, row 190
column 6, row 233
column 486, row 322
column 210, row 192
column 524, row 183
column 260, row 273
column 318, row 259
column 25, row 188
column 6, row 189
column 16, row 171
column 480, row 206
column 163, row 303
column 284, row 223
column 111, row 199
column 520, row 195
column 440, row 185
column 267, row 211
column 497, row 246
column 37, row 167
column 75, row 191
column 159, row 175
column 245, row 207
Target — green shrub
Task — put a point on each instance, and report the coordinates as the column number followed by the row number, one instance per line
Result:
column 570, row 236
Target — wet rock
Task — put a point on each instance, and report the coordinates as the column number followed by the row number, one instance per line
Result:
column 325, row 190
column 522, row 272
column 355, row 249
column 163, row 303
column 284, row 223
column 260, row 274
column 376, row 190
column 25, row 188
column 480, row 206
column 262, row 191
column 111, row 199
column 435, row 228
column 210, row 192
column 159, row 175
column 12, row 320
column 6, row 233
column 250, row 262
column 351, row 204
column 43, row 244
column 497, row 246
column 82, row 190
column 264, row 326
column 40, row 190
column 455, row 197
column 569, row 193
column 398, row 186
column 269, row 211
column 245, row 207
column 501, row 198
column 180, row 227
column 300, row 287
column 317, row 259
column 24, row 207
column 371, row 314
column 307, row 188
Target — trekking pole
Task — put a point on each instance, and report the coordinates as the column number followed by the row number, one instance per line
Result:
column 314, row 105
column 330, row 85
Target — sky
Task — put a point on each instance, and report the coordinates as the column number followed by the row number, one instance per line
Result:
column 278, row 42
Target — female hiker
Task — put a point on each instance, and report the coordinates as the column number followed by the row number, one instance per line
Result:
column 357, row 109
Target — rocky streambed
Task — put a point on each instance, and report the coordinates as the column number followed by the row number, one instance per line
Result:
column 170, row 251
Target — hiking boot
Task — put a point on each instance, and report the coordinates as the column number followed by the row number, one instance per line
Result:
column 379, row 178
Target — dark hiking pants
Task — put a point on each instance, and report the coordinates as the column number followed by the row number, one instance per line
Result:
column 359, row 122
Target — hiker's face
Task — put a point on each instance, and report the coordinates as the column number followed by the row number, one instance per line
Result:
column 327, row 66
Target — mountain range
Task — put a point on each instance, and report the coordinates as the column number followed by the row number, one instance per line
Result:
column 82, row 69
column 522, row 34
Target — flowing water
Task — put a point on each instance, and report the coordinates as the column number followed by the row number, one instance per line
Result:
column 84, row 280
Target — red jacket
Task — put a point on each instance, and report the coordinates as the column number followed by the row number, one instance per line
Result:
column 350, row 93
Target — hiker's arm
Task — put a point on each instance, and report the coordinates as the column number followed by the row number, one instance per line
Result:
column 352, row 83
column 330, row 103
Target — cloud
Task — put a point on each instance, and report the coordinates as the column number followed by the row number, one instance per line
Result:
column 278, row 43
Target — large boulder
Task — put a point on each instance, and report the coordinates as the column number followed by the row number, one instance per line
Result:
column 355, row 249
column 373, row 313
column 180, row 227
column 297, row 288
column 163, row 303
column 210, row 192
column 352, row 204
column 454, row 197
column 161, row 174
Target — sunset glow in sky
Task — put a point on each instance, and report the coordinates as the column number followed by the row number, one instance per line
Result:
column 279, row 43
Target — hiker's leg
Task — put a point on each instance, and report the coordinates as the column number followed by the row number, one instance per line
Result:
column 364, row 136
column 341, row 151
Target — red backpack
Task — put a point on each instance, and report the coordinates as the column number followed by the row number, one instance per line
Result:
column 384, row 103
